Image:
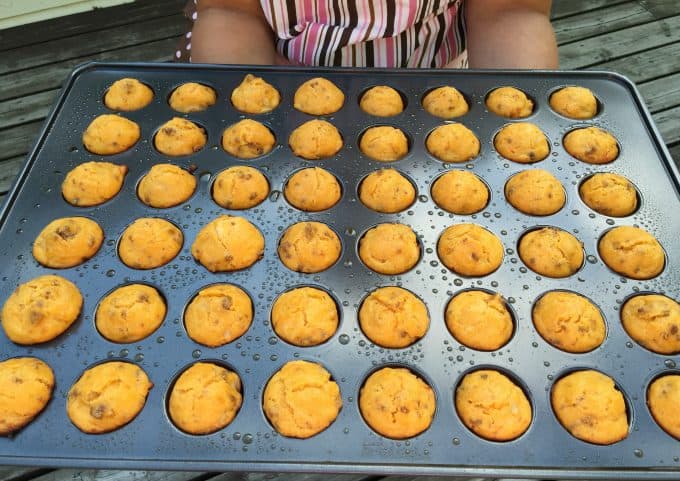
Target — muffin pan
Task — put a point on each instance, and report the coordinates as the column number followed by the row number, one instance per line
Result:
column 250, row 443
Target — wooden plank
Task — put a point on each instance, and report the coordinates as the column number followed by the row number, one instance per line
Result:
column 290, row 477
column 675, row 154
column 668, row 123
column 623, row 43
column 14, row 473
column 661, row 93
column 565, row 8
column 116, row 475
column 8, row 171
column 18, row 140
column 646, row 65
column 26, row 109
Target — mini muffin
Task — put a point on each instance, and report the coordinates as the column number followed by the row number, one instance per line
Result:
column 386, row 191
column 240, row 187
column 315, row 139
column 301, row 399
column 205, row 398
column 389, row 249
column 107, row 397
column 179, row 136
column 479, row 320
column 318, row 96
column 305, row 316
column 522, row 142
column 393, row 317
column 93, row 183
column 509, row 102
column 591, row 145
column 149, row 242
column 309, row 247
column 384, row 143
column 589, row 406
column 445, row 103
column 27, row 385
column 255, row 96
column 574, row 102
column 67, row 242
column 128, row 94
column 313, row 189
column 453, row 143
column 110, row 134
column 492, row 406
column 130, row 313
column 166, row 185
column 663, row 399
column 551, row 252
column 396, row 403
column 609, row 194
column 568, row 321
column 535, row 192
column 192, row 97
column 460, row 192
column 248, row 139
column 228, row 243
column 470, row 250
column 653, row 321
column 381, row 101
column 41, row 309
column 632, row 252
column 218, row 315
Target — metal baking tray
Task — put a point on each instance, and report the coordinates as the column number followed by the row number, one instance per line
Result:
column 250, row 443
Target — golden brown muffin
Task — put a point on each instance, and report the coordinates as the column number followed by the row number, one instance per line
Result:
column 41, row 309
column 166, row 185
column 318, row 96
column 551, row 252
column 205, row 398
column 384, row 143
column 479, row 320
column 386, row 191
column 609, row 194
column 301, row 399
column 453, row 143
column 179, row 136
column 240, row 187
column 255, row 96
column 218, row 315
column 396, row 403
column 248, row 139
column 663, row 399
column 460, row 192
column 309, row 247
column 110, row 134
column 492, row 406
column 445, row 102
column 130, row 313
column 315, row 139
column 592, row 145
column 93, row 183
column 589, row 406
column 653, row 321
column 381, row 101
column 535, row 192
column 305, row 316
column 313, row 189
column 128, row 94
column 393, row 317
column 26, row 384
column 470, row 250
column 228, row 243
column 389, row 249
column 522, row 142
column 632, row 252
column 107, row 397
column 574, row 102
column 569, row 321
column 509, row 102
column 149, row 242
column 67, row 242
column 192, row 97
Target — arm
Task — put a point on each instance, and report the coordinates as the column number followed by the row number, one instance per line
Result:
column 510, row 34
